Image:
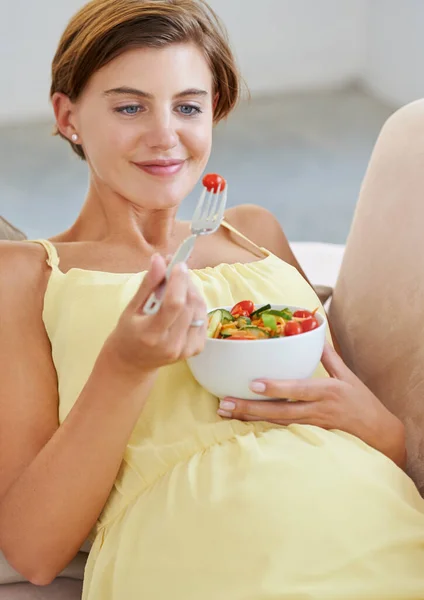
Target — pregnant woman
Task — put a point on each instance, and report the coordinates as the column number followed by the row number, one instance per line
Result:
column 103, row 429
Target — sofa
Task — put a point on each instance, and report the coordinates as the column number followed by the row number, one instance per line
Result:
column 372, row 278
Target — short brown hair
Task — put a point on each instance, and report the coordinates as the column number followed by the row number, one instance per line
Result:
column 104, row 29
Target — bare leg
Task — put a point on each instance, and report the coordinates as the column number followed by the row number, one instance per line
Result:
column 378, row 304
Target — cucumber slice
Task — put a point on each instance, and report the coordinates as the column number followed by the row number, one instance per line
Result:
column 256, row 331
column 214, row 322
column 226, row 334
column 227, row 317
column 259, row 311
column 269, row 320
column 243, row 322
column 285, row 314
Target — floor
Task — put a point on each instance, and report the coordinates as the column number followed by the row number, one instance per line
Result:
column 303, row 156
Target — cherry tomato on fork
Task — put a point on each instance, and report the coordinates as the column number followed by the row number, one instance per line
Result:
column 243, row 309
column 214, row 183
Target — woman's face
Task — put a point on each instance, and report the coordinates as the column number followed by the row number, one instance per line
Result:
column 145, row 122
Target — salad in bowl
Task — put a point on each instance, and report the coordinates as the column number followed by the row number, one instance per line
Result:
column 247, row 342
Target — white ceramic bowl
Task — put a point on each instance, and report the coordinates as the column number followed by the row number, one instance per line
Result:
column 225, row 368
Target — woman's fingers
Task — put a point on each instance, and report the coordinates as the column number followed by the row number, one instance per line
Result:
column 174, row 302
column 335, row 366
column 308, row 390
column 196, row 336
column 312, row 389
column 152, row 279
column 289, row 412
column 183, row 339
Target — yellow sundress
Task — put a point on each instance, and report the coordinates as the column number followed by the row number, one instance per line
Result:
column 211, row 509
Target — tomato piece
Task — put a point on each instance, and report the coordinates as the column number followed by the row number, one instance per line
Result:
column 309, row 324
column 302, row 314
column 243, row 309
column 214, row 183
column 293, row 328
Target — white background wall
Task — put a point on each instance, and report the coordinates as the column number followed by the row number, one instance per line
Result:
column 394, row 69
column 284, row 45
column 29, row 33
column 292, row 44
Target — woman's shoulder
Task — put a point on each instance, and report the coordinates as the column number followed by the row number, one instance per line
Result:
column 22, row 265
column 23, row 282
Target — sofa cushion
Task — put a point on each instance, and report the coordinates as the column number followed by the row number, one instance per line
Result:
column 9, row 231
column 60, row 589
column 75, row 570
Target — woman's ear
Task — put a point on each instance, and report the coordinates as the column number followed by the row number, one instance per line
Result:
column 64, row 111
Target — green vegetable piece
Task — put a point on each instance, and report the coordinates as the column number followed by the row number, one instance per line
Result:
column 269, row 320
column 284, row 314
column 214, row 322
column 256, row 331
column 226, row 333
column 276, row 313
column 227, row 317
column 287, row 314
column 259, row 311
column 243, row 322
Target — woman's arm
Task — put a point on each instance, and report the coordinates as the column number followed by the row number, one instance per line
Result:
column 54, row 481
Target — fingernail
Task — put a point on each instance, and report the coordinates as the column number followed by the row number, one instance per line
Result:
column 183, row 267
column 153, row 258
column 257, row 386
column 227, row 405
column 225, row 414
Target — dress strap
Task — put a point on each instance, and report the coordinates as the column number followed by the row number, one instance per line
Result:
column 52, row 255
column 263, row 251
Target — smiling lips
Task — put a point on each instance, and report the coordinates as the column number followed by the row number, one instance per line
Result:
column 159, row 167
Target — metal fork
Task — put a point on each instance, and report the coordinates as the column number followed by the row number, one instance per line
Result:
column 206, row 219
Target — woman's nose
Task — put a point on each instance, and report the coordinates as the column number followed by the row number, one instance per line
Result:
column 161, row 134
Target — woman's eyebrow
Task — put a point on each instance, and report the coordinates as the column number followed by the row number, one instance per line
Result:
column 129, row 91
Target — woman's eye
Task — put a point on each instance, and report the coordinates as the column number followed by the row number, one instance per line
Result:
column 188, row 110
column 129, row 110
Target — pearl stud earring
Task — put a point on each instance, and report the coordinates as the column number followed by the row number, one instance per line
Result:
column 74, row 137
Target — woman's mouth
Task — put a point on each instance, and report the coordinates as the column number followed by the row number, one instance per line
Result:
column 162, row 167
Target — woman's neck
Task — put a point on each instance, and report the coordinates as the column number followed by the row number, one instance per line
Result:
column 117, row 220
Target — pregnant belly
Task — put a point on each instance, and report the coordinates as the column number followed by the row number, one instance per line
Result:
column 288, row 511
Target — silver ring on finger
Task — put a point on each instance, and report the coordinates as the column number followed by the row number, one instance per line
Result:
column 197, row 323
